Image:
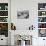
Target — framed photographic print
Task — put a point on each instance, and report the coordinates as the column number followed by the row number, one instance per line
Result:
column 23, row 14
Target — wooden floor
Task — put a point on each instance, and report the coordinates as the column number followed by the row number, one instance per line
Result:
column 3, row 45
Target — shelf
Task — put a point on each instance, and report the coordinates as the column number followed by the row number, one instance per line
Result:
column 41, row 28
column 42, row 16
column 41, row 22
column 41, row 10
column 3, row 22
column 4, row 19
column 3, row 16
column 41, row 19
column 3, row 10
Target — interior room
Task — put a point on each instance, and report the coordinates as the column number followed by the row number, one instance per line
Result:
column 22, row 22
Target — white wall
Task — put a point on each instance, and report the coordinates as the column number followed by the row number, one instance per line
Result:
column 20, row 5
column 22, row 25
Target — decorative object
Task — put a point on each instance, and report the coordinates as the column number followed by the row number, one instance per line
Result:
column 41, row 19
column 3, row 13
column 40, row 25
column 3, row 19
column 23, row 40
column 3, row 6
column 0, row 7
column 6, row 7
column 4, row 29
column 42, row 32
column 13, row 27
column 22, row 43
column 43, row 13
column 31, row 27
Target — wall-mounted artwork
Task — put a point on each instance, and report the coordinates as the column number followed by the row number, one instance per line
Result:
column 32, row 27
column 23, row 14
column 42, row 32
